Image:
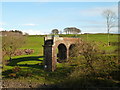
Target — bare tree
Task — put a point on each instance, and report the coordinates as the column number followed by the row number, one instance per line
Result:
column 110, row 17
column 10, row 42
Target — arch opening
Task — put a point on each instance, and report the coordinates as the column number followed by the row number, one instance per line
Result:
column 71, row 48
column 62, row 53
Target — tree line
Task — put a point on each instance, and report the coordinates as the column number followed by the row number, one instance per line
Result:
column 68, row 30
column 4, row 32
column 16, row 31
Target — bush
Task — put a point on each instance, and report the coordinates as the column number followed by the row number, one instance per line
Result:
column 92, row 64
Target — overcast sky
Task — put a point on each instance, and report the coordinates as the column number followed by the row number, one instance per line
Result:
column 42, row 17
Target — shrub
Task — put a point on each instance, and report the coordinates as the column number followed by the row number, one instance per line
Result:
column 91, row 62
column 92, row 68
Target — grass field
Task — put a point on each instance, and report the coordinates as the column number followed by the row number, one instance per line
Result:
column 31, row 65
column 100, row 40
column 36, row 42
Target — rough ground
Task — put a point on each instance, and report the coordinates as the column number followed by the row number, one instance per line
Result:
column 21, row 84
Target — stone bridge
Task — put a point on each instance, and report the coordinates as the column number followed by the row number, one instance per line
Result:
column 56, row 49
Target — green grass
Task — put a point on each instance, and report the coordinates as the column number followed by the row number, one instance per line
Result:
column 35, row 43
column 101, row 41
column 30, row 63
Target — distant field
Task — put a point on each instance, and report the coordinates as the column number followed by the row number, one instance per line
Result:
column 99, row 39
column 34, row 42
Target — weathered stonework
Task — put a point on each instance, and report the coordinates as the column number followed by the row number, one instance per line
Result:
column 51, row 44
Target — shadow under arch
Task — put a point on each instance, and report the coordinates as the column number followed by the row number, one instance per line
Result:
column 62, row 52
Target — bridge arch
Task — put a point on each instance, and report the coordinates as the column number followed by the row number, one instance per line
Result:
column 64, row 46
column 62, row 52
